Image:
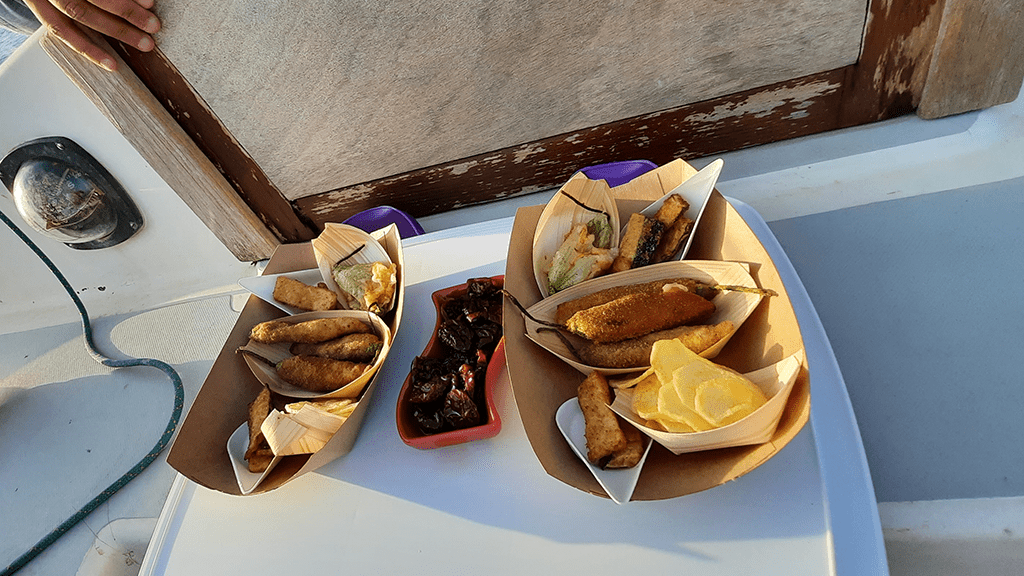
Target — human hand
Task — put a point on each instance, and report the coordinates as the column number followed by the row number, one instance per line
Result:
column 130, row 21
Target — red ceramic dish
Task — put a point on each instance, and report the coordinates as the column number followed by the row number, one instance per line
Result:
column 407, row 427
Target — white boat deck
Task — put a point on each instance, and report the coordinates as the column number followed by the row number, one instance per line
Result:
column 905, row 234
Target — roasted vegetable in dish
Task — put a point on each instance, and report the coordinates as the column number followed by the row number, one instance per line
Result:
column 585, row 253
column 447, row 391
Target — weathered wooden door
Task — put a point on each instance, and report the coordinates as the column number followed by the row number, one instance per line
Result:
column 315, row 111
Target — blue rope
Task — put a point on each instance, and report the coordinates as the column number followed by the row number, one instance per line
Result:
column 179, row 401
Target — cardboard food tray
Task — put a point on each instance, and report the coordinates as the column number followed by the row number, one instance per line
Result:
column 541, row 382
column 199, row 451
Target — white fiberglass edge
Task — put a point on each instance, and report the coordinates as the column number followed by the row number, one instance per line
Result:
column 979, row 536
column 988, row 150
column 854, row 525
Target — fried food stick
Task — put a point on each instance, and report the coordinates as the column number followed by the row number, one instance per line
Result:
column 258, row 455
column 301, row 295
column 310, row 331
column 673, row 239
column 638, row 314
column 601, row 428
column 352, row 347
column 319, row 374
column 566, row 309
column 636, row 352
column 630, row 455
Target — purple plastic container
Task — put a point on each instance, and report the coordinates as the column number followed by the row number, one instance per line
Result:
column 379, row 217
column 616, row 173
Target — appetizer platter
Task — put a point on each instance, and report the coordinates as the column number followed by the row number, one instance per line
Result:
column 289, row 392
column 725, row 290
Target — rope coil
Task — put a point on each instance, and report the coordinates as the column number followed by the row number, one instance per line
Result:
column 165, row 438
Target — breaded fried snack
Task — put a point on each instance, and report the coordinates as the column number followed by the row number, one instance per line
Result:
column 310, row 331
column 637, row 351
column 351, row 347
column 318, row 374
column 638, row 243
column 638, row 314
column 602, row 430
column 565, row 310
column 671, row 210
column 633, row 451
column 258, row 455
column 672, row 239
column 300, row 295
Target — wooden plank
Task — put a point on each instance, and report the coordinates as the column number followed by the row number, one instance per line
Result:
column 330, row 95
column 888, row 79
column 978, row 61
column 789, row 109
column 133, row 110
column 214, row 140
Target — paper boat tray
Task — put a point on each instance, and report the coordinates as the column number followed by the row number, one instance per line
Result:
column 541, row 382
column 199, row 451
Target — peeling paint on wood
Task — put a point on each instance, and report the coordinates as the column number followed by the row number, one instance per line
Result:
column 763, row 104
column 888, row 80
column 793, row 108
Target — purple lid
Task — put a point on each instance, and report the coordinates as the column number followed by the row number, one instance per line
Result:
column 379, row 217
column 616, row 173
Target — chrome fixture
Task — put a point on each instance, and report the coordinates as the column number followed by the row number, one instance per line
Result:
column 66, row 194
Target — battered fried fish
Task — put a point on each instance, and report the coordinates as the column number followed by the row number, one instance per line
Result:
column 601, row 428
column 566, row 309
column 630, row 455
column 318, row 374
column 310, row 331
column 300, row 295
column 258, row 455
column 361, row 347
column 638, row 314
column 637, row 351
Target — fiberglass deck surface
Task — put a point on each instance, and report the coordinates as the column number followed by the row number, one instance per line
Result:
column 919, row 298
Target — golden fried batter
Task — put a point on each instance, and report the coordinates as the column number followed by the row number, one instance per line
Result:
column 638, row 243
column 310, row 331
column 630, row 455
column 671, row 210
column 637, row 351
column 638, row 314
column 566, row 309
column 602, row 430
column 672, row 239
column 351, row 347
column 258, row 455
column 300, row 295
column 318, row 374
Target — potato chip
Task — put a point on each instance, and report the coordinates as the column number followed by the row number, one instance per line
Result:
column 683, row 392
column 666, row 358
column 672, row 426
column 645, row 399
column 725, row 400
column 676, row 403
